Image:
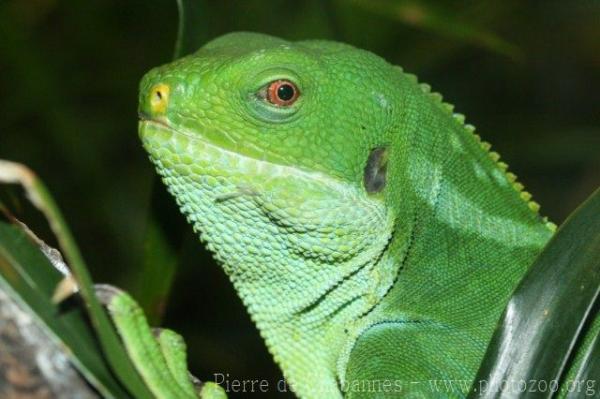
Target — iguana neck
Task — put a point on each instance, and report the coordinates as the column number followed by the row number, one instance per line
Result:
column 471, row 231
column 305, row 329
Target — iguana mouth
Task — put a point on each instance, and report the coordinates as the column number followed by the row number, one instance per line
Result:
column 277, row 169
column 162, row 123
column 144, row 117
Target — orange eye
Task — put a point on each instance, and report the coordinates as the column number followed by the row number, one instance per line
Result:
column 282, row 93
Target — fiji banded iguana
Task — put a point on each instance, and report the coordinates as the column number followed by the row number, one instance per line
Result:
column 371, row 234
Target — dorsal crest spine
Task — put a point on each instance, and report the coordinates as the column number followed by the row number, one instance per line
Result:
column 495, row 156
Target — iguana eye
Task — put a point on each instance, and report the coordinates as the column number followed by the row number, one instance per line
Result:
column 282, row 93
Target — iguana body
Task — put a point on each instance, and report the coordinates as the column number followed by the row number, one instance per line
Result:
column 372, row 236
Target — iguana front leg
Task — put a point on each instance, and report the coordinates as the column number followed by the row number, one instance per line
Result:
column 158, row 355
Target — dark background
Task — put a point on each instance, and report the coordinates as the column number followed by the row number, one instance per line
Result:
column 525, row 73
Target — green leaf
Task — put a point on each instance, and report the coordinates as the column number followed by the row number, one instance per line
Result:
column 28, row 275
column 553, row 307
column 163, row 237
column 40, row 197
column 588, row 371
column 443, row 21
column 191, row 28
column 166, row 228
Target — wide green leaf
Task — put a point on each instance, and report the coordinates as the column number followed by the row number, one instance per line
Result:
column 550, row 313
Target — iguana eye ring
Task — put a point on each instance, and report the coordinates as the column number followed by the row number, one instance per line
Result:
column 282, row 93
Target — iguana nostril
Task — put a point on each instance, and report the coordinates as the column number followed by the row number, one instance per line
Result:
column 159, row 98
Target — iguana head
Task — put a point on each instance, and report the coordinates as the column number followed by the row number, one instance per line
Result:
column 277, row 153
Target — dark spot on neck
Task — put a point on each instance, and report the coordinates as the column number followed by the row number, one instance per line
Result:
column 376, row 170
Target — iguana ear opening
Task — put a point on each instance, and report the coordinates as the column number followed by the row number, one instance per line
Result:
column 374, row 177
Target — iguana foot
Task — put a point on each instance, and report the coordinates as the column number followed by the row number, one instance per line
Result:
column 159, row 355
